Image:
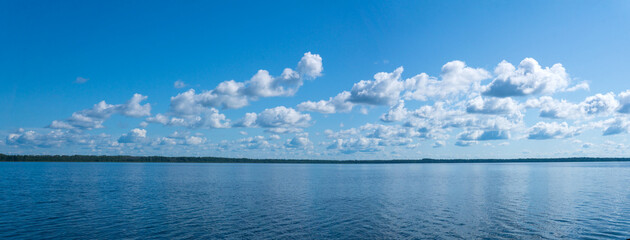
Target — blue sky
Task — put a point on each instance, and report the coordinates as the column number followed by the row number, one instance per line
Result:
column 349, row 80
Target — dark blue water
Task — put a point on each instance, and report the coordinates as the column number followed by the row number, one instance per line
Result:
column 310, row 201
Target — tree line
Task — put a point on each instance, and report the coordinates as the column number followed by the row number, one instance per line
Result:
column 163, row 159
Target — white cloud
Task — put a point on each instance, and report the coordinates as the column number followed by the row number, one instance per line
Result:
column 186, row 111
column 194, row 140
column 194, row 110
column 94, row 117
column 396, row 113
column 282, row 117
column 493, row 105
column 283, row 130
column 615, row 126
column 339, row 103
column 544, row 130
column 371, row 138
column 438, row 144
column 601, row 104
column 454, row 106
column 179, row 84
column 483, row 135
column 279, row 120
column 53, row 138
column 165, row 141
column 133, row 136
column 353, row 145
column 179, row 135
column 383, row 90
column 456, row 78
column 580, row 86
column 249, row 120
column 551, row 108
column 388, row 131
column 624, row 101
column 310, row 65
column 133, row 108
column 256, row 142
column 298, row 142
column 231, row 94
column 193, row 118
column 386, row 88
column 463, row 143
column 529, row 78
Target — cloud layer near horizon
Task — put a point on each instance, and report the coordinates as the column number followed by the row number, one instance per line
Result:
column 463, row 106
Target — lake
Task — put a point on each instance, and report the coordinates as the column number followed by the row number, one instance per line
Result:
column 315, row 201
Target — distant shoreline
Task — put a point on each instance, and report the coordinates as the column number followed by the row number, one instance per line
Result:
column 159, row 159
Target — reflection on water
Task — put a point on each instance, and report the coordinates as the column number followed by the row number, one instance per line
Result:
column 139, row 200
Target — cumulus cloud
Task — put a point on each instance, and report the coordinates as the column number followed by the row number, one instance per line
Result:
column 624, row 101
column 492, row 106
column 256, row 142
column 165, row 141
column 133, row 136
column 53, row 138
column 551, row 130
column 199, row 110
column 339, row 103
column 463, row 143
column 94, row 117
column 529, row 78
column 483, row 135
column 133, row 108
column 231, row 94
column 282, row 117
column 456, row 78
column 438, row 144
column 396, row 113
column 453, row 105
column 185, row 111
column 383, row 90
column 310, row 65
column 298, row 142
column 279, row 120
column 371, row 138
column 195, row 140
column 599, row 104
column 614, row 126
column 353, row 145
column 386, row 88
column 552, row 108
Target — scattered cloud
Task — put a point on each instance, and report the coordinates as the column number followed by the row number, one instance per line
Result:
column 462, row 105
column 339, row 103
column 179, row 84
column 96, row 116
column 278, row 120
column 81, row 80
column 133, row 136
column 544, row 130
column 528, row 79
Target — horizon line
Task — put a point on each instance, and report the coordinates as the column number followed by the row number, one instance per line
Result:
column 210, row 159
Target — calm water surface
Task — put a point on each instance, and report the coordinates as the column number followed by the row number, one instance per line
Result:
column 311, row 201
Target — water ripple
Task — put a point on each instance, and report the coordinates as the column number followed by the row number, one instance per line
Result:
column 285, row 201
